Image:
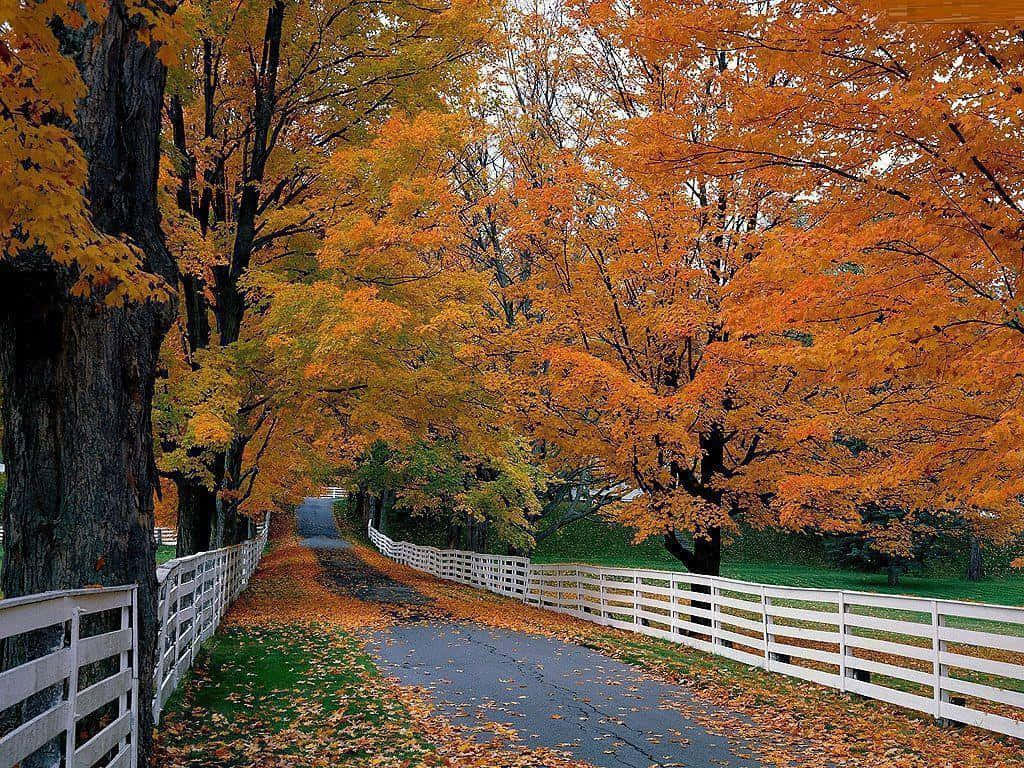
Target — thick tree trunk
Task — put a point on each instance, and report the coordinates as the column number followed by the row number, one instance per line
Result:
column 975, row 563
column 78, row 374
column 197, row 506
column 78, row 383
column 363, row 506
column 230, row 525
column 707, row 554
column 705, row 558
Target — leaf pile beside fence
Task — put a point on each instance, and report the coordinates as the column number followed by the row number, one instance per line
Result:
column 76, row 681
column 954, row 660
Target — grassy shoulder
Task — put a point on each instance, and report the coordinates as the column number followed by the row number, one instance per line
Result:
column 765, row 557
column 278, row 694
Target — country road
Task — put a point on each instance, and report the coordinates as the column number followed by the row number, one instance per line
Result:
column 553, row 693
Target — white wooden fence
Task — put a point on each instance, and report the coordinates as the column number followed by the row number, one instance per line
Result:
column 957, row 661
column 85, row 685
column 195, row 593
column 165, row 537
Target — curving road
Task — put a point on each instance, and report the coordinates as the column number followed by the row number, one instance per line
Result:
column 554, row 694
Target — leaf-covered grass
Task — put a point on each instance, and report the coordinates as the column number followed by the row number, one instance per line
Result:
column 283, row 693
column 765, row 557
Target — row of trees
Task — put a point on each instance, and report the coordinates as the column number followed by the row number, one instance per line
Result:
column 759, row 263
column 173, row 170
column 689, row 263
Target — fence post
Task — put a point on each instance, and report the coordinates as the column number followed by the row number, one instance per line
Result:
column 843, row 674
column 767, row 623
column 161, row 651
column 604, row 597
column 69, row 744
column 636, row 608
column 579, row 593
column 716, row 608
column 176, row 636
column 936, row 666
column 134, row 700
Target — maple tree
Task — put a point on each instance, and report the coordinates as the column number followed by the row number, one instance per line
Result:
column 620, row 358
column 699, row 235
column 384, row 337
column 895, row 299
column 266, row 93
column 85, row 300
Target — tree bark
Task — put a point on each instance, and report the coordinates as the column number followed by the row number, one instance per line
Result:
column 194, row 504
column 78, row 375
column 975, row 563
column 705, row 558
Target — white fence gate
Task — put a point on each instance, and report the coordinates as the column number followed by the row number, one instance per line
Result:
column 954, row 660
column 89, row 671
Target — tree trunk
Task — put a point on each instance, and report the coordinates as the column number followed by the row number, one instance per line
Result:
column 975, row 565
column 893, row 575
column 226, row 523
column 361, row 507
column 384, row 510
column 707, row 554
column 78, row 374
column 197, row 505
column 78, row 384
column 229, row 523
column 705, row 558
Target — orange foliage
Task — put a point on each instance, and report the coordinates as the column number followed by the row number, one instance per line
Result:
column 764, row 262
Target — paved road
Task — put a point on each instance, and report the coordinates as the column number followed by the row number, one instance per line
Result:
column 555, row 694
column 315, row 523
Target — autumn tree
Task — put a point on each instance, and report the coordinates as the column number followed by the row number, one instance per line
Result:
column 266, row 94
column 531, row 110
column 86, row 283
column 387, row 336
column 896, row 299
column 623, row 359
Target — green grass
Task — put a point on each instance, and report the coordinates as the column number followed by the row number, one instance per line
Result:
column 765, row 557
column 288, row 694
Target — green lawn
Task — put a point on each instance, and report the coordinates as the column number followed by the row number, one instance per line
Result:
column 287, row 695
column 164, row 553
column 765, row 557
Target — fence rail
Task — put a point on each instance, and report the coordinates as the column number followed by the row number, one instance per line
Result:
column 957, row 661
column 78, row 683
column 167, row 537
